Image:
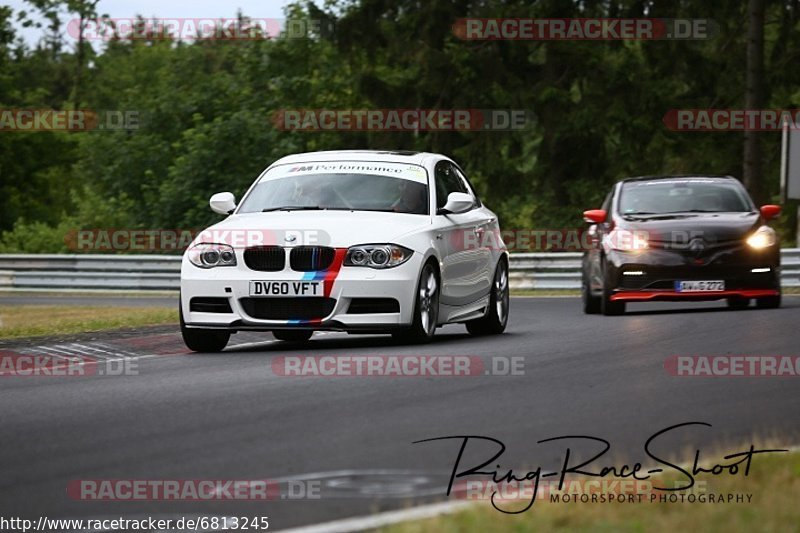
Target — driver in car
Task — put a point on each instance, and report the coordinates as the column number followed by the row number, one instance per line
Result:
column 409, row 199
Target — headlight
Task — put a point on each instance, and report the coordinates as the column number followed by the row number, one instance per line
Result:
column 211, row 255
column 626, row 240
column 764, row 237
column 377, row 255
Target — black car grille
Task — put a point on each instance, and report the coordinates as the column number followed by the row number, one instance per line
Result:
column 265, row 258
column 684, row 245
column 311, row 258
column 288, row 308
column 664, row 278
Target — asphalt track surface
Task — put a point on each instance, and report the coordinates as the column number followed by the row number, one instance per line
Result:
column 229, row 416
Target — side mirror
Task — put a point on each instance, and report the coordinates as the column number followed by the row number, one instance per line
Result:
column 595, row 216
column 770, row 211
column 223, row 203
column 457, row 202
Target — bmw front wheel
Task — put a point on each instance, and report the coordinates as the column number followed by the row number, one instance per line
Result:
column 204, row 340
column 426, row 308
column 496, row 317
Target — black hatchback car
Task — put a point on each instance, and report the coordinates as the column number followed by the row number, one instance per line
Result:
column 680, row 238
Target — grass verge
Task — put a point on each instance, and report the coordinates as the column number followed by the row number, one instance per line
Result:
column 545, row 292
column 32, row 320
column 576, row 292
column 773, row 482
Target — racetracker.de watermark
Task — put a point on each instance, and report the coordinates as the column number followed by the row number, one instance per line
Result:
column 187, row 29
column 728, row 366
column 14, row 364
column 577, row 239
column 392, row 120
column 170, row 240
column 74, row 120
column 607, row 490
column 173, row 489
column 583, row 29
column 149, row 240
column 396, row 366
column 731, row 119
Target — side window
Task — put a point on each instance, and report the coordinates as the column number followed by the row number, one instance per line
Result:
column 447, row 181
column 468, row 186
column 607, row 203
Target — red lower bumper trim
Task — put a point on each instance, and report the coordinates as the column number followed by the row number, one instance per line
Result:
column 644, row 296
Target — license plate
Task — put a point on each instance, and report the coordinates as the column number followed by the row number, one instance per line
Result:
column 699, row 286
column 285, row 288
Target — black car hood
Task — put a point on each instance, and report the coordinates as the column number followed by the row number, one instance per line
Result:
column 711, row 227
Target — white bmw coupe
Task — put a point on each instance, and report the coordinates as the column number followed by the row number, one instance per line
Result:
column 355, row 241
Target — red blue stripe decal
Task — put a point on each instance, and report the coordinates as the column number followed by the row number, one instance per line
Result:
column 328, row 278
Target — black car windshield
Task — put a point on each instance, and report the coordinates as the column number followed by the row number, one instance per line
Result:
column 307, row 189
column 660, row 197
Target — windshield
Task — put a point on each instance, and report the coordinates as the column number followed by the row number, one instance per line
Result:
column 390, row 187
column 682, row 196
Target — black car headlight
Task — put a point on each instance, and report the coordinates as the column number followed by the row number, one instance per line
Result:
column 211, row 255
column 763, row 237
column 625, row 240
column 377, row 255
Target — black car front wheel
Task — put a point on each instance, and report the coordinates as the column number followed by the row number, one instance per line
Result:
column 591, row 303
column 738, row 303
column 609, row 306
column 769, row 302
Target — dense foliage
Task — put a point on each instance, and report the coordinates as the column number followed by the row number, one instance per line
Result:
column 207, row 108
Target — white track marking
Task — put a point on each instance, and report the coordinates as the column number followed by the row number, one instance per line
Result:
column 56, row 353
column 101, row 353
column 73, row 353
column 49, row 351
column 127, row 353
column 69, row 350
column 384, row 519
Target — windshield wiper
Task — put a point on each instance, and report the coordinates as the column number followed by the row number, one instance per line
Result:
column 656, row 216
column 716, row 211
column 675, row 214
column 294, row 208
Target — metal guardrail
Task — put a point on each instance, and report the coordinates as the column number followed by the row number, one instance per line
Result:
column 529, row 271
column 95, row 271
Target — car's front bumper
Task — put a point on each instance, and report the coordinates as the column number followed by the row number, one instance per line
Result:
column 651, row 275
column 335, row 313
column 674, row 296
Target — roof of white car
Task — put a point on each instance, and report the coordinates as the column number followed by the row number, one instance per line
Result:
column 383, row 156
